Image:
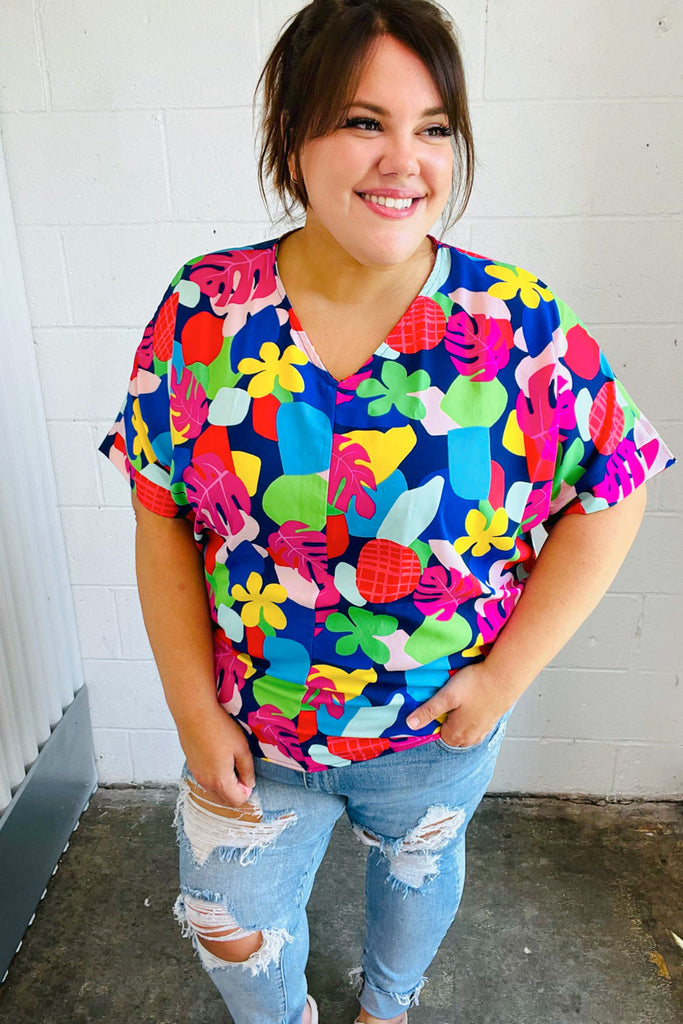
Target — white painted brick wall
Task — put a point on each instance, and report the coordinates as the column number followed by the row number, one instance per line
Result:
column 127, row 132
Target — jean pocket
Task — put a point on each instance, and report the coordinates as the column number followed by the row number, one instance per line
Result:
column 498, row 728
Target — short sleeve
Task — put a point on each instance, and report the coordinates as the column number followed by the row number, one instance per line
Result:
column 140, row 442
column 607, row 447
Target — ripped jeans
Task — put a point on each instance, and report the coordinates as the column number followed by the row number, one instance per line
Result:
column 253, row 871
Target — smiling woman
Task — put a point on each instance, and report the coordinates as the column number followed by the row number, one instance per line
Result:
column 339, row 442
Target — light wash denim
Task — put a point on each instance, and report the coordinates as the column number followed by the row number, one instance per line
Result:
column 410, row 807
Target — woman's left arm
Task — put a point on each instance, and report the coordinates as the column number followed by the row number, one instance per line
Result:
column 576, row 565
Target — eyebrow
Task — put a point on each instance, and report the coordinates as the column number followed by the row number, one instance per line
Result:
column 431, row 112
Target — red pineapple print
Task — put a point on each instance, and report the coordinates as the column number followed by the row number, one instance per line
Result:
column 421, row 328
column 164, row 328
column 606, row 419
column 387, row 571
column 356, row 748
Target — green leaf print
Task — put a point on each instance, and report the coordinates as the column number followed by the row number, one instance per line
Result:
column 220, row 584
column 220, row 374
column 570, row 469
column 362, row 627
column 396, row 390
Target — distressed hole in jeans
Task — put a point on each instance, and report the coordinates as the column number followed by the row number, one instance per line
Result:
column 239, row 832
column 202, row 918
column 415, row 858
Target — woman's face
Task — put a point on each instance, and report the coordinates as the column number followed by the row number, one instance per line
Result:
column 378, row 184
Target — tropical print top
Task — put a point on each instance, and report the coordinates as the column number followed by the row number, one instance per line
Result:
column 364, row 539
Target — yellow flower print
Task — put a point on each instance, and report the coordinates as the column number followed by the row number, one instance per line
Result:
column 351, row 684
column 483, row 537
column 257, row 600
column 141, row 441
column 271, row 366
column 513, row 280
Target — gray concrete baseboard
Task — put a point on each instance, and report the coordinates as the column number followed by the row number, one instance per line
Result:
column 35, row 828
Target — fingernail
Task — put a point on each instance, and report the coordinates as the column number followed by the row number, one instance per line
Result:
column 247, row 790
column 413, row 721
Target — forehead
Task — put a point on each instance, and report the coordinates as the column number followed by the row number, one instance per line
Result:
column 394, row 71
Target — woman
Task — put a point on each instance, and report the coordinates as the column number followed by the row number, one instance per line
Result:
column 339, row 442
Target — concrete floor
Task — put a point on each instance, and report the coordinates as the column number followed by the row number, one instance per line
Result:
column 567, row 917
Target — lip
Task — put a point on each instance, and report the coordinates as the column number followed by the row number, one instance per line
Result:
column 390, row 193
column 390, row 212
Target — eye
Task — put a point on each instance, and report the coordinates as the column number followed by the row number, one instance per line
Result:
column 439, row 131
column 366, row 123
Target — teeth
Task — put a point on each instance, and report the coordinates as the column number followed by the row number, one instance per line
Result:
column 388, row 201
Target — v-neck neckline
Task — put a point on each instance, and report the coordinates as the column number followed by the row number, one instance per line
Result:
column 304, row 343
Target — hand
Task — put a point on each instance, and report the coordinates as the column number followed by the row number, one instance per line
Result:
column 218, row 756
column 473, row 701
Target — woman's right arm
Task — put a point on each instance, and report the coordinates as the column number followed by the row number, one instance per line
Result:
column 177, row 618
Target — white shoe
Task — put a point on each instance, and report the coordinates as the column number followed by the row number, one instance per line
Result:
column 314, row 1009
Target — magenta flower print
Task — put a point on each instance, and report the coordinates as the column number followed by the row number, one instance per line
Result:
column 479, row 346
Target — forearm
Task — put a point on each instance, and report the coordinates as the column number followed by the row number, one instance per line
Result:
column 577, row 564
column 176, row 613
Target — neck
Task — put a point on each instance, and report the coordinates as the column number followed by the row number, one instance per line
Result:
column 313, row 257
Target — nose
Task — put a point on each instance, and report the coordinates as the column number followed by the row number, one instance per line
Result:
column 399, row 155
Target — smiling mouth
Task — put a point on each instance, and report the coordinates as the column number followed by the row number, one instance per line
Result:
column 389, row 201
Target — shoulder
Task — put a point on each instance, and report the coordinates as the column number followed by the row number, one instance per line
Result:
column 499, row 278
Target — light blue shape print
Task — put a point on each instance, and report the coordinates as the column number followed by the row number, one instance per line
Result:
column 231, row 623
column 189, row 293
column 423, row 682
column 324, row 756
column 331, row 726
column 304, row 438
column 373, row 721
column 229, row 407
column 582, row 408
column 288, row 659
column 469, row 462
column 384, row 497
column 412, row 512
column 345, row 582
column 516, row 499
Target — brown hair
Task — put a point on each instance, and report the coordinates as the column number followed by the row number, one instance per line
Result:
column 312, row 72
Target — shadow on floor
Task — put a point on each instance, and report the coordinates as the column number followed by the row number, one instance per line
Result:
column 567, row 916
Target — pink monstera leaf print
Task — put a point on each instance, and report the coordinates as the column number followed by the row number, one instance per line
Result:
column 351, row 477
column 270, row 726
column 441, row 590
column 219, row 498
column 229, row 669
column 566, row 406
column 496, row 611
column 190, row 405
column 537, row 418
column 346, row 390
column 626, row 469
column 240, row 275
column 300, row 548
column 479, row 346
column 144, row 357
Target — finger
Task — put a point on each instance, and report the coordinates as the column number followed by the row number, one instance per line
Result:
column 244, row 770
column 427, row 712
